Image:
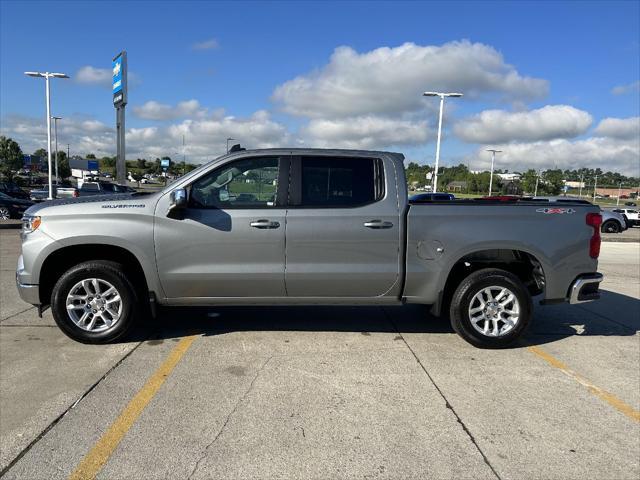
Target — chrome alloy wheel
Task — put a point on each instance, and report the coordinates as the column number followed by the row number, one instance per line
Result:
column 94, row 305
column 494, row 311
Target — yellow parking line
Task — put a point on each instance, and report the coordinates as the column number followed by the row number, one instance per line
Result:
column 610, row 398
column 93, row 462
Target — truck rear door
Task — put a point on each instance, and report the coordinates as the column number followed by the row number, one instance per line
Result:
column 343, row 228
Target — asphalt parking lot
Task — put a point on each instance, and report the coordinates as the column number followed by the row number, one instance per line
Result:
column 325, row 392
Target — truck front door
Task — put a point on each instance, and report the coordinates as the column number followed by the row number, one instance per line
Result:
column 229, row 241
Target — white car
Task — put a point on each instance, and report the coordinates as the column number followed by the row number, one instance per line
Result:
column 631, row 216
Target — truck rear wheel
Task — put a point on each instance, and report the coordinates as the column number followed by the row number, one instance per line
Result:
column 94, row 302
column 491, row 308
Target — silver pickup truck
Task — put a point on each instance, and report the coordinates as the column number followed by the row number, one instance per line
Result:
column 303, row 227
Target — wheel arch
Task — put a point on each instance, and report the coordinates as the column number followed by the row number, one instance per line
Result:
column 62, row 259
column 523, row 264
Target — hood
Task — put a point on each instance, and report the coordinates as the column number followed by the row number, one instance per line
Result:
column 90, row 199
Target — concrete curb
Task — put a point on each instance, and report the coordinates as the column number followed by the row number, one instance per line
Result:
column 6, row 224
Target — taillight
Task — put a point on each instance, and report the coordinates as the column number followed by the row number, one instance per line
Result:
column 76, row 194
column 594, row 220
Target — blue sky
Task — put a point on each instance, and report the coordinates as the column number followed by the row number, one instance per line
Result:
column 540, row 65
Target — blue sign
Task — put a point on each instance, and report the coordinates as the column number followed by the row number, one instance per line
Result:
column 165, row 162
column 92, row 165
column 117, row 74
column 119, row 79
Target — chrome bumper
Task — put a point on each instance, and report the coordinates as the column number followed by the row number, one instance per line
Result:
column 28, row 292
column 585, row 288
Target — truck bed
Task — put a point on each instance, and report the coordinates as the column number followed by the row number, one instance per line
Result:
column 441, row 234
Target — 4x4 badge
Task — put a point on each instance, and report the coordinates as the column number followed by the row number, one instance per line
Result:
column 548, row 211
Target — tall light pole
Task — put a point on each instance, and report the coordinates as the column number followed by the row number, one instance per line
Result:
column 619, row 193
column 228, row 139
column 55, row 129
column 441, row 95
column 535, row 193
column 493, row 159
column 595, row 186
column 47, row 76
column 580, row 192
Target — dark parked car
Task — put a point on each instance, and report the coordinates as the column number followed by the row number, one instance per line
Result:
column 102, row 188
column 11, row 207
column 432, row 197
column 13, row 190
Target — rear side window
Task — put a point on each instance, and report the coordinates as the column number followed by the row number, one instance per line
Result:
column 340, row 182
column 90, row 187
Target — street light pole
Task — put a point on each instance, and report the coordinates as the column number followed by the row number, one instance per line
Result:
column 441, row 95
column 535, row 193
column 581, row 177
column 55, row 129
column 595, row 186
column 493, row 159
column 47, row 76
column 619, row 193
column 228, row 143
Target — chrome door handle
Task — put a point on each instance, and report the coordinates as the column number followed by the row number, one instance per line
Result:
column 378, row 224
column 262, row 224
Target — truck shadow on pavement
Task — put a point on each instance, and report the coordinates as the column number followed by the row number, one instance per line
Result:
column 613, row 315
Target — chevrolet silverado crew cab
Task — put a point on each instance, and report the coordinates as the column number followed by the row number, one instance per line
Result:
column 304, row 227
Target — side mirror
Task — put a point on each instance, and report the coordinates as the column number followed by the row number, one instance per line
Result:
column 178, row 199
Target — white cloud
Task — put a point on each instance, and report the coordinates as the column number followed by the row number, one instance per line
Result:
column 153, row 110
column 205, row 138
column 624, row 128
column 89, row 75
column 101, row 77
column 499, row 126
column 365, row 132
column 609, row 154
column 391, row 80
column 210, row 44
column 629, row 88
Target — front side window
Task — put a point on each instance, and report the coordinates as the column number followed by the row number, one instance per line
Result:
column 338, row 182
column 246, row 183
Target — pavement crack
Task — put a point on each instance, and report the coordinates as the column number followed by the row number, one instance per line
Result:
column 226, row 421
column 446, row 401
column 63, row 414
column 16, row 314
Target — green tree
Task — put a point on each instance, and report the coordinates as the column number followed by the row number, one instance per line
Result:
column 137, row 176
column 41, row 152
column 141, row 163
column 528, row 181
column 553, row 181
column 64, row 169
column 11, row 158
column 90, row 156
column 107, row 163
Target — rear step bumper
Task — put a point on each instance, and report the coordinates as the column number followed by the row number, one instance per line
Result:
column 585, row 288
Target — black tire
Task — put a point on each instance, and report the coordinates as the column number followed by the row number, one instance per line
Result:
column 611, row 226
column 473, row 284
column 111, row 272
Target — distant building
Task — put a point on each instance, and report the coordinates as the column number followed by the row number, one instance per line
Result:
column 509, row 177
column 457, row 186
column 613, row 192
column 574, row 184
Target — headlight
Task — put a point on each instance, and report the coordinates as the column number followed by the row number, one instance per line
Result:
column 30, row 223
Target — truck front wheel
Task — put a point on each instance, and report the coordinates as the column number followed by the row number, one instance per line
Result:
column 490, row 308
column 94, row 302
